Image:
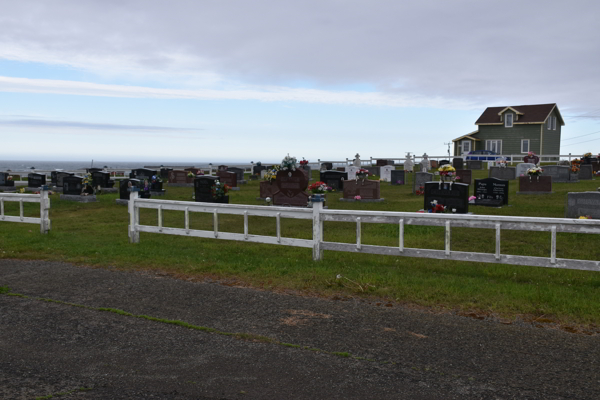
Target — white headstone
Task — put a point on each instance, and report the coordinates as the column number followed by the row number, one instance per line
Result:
column 352, row 170
column 522, row 168
column 386, row 173
column 408, row 163
column 425, row 163
column 262, row 173
column 357, row 160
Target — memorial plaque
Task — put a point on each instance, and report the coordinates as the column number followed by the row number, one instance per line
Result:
column 398, row 177
column 203, row 189
column 505, row 173
column 366, row 189
column 522, row 168
column 453, row 196
column 291, row 189
column 535, row 184
column 474, row 164
column 586, row 172
column 239, row 172
column 491, row 192
column 72, row 185
column 465, row 176
column 126, row 184
column 386, row 173
column 334, row 179
column 559, row 173
column 36, row 180
column 227, row 178
column 583, row 204
column 457, row 163
column 60, row 176
column 102, row 179
column 420, row 179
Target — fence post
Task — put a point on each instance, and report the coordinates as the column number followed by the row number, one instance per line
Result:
column 134, row 235
column 317, row 207
column 44, row 213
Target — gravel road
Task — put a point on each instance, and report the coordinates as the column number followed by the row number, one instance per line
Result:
column 335, row 349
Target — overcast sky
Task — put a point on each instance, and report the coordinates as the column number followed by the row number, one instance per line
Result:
column 255, row 80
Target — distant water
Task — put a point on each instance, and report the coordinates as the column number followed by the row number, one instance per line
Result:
column 76, row 165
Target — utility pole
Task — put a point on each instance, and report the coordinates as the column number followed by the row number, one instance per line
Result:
column 448, row 147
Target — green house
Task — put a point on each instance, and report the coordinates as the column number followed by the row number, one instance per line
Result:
column 515, row 130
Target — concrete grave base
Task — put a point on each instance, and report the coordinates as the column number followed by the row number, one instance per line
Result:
column 181, row 184
column 8, row 188
column 32, row 189
column 156, row 193
column 363, row 200
column 79, row 199
column 110, row 190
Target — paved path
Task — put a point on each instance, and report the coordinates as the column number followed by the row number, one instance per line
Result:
column 382, row 352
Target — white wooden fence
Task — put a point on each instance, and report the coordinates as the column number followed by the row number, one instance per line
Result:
column 318, row 215
column 42, row 198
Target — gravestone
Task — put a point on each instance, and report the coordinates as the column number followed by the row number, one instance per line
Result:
column 535, row 184
column 291, row 189
column 141, row 174
column 386, row 173
column 307, row 171
column 179, row 178
column 434, row 164
column 327, row 166
column 366, row 189
column 267, row 189
column 203, row 189
column 457, row 163
column 334, row 179
column 398, row 177
column 36, row 180
column 374, row 170
column 222, row 168
column 453, row 196
column 588, row 160
column 474, row 164
column 465, row 176
column 351, row 170
column 342, row 169
column 125, row 184
column 559, row 173
column 227, row 178
column 382, row 163
column 521, row 168
column 504, row 173
column 239, row 172
column 420, row 179
column 356, row 161
column 531, row 159
column 596, row 166
column 583, row 204
column 443, row 162
column 257, row 169
column 586, row 172
column 72, row 185
column 60, row 176
column 164, row 172
column 425, row 164
column 4, row 180
column 102, row 179
column 408, row 163
column 491, row 192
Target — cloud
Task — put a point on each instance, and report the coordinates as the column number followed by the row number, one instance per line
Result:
column 43, row 123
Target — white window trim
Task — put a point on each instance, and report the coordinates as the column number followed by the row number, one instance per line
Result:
column 528, row 145
column 553, row 123
column 506, row 124
column 549, row 125
column 488, row 144
column 466, row 141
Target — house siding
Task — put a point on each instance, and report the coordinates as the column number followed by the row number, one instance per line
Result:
column 551, row 140
column 511, row 137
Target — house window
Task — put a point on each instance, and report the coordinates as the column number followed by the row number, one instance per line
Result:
column 508, row 120
column 466, row 146
column 524, row 145
column 553, row 123
column 494, row 145
column 549, row 123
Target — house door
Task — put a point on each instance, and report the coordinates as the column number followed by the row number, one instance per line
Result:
column 466, row 146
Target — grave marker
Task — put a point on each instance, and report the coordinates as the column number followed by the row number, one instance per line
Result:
column 505, row 173
column 535, row 184
column 522, row 168
column 583, row 204
column 473, row 164
column 291, row 186
column 465, row 176
column 491, row 192
column 386, row 173
column 334, row 179
column 366, row 189
column 586, row 172
column 420, row 179
column 559, row 173
column 36, row 180
column 451, row 195
column 398, row 177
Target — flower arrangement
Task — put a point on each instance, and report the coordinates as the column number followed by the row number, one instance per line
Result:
column 87, row 180
column 501, row 163
column 271, row 174
column 447, row 170
column 357, row 197
column 362, row 172
column 531, row 154
column 535, row 171
column 303, row 162
column 587, row 155
column 156, row 179
column 319, row 187
column 288, row 163
column 22, row 190
column 457, row 178
column 472, row 199
column 576, row 161
column 219, row 191
column 437, row 208
column 585, row 217
column 575, row 168
column 10, row 178
column 420, row 191
column 190, row 174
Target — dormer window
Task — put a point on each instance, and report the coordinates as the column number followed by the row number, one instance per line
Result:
column 508, row 120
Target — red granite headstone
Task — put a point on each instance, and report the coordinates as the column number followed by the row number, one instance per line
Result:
column 366, row 189
column 267, row 189
column 537, row 184
column 291, row 187
column 228, row 178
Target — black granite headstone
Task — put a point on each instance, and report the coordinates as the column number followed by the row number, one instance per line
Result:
column 203, row 186
column 36, row 180
column 72, row 185
column 334, row 179
column 453, row 196
column 327, row 166
column 124, row 185
column 142, row 174
column 398, row 177
column 443, row 162
column 102, row 179
column 60, row 176
column 164, row 172
column 491, row 192
column 457, row 163
column 238, row 171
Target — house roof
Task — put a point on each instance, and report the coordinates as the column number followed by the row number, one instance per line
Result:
column 528, row 114
column 467, row 136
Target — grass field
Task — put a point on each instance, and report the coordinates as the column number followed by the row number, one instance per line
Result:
column 96, row 234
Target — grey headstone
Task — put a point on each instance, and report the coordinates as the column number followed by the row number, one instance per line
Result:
column 398, row 177
column 523, row 167
column 586, row 172
column 474, row 164
column 504, row 173
column 582, row 204
column 420, row 179
column 559, row 173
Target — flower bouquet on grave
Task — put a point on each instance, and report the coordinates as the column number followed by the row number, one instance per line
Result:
column 587, row 155
column 362, row 174
column 575, row 168
column 10, row 178
column 319, row 188
column 219, row 191
column 447, row 171
column 501, row 163
column 576, row 161
column 357, row 197
column 437, row 208
column 303, row 162
column 156, row 179
column 190, row 174
column 420, row 191
column 288, row 163
column 271, row 174
column 535, row 171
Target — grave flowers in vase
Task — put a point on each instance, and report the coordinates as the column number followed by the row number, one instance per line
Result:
column 288, row 164
column 219, row 192
column 190, row 174
column 156, row 183
column 362, row 174
column 319, row 190
column 267, row 186
column 87, row 184
column 447, row 172
column 303, row 162
column 535, row 171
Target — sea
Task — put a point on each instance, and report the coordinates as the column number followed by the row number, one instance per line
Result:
column 24, row 165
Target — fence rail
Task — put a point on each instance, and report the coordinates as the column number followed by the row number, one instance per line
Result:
column 318, row 215
column 41, row 198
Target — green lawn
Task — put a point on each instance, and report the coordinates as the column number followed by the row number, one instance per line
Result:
column 96, row 234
